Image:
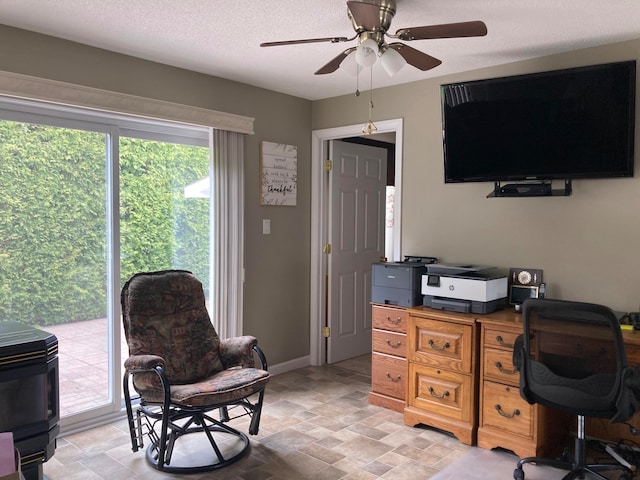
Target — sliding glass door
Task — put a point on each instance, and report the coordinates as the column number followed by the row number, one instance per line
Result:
column 86, row 202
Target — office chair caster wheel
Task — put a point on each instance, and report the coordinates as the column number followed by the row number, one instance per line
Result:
column 518, row 474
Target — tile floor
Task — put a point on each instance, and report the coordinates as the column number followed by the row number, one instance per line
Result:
column 316, row 424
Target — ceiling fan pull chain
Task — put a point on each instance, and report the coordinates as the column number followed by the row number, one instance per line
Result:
column 371, row 88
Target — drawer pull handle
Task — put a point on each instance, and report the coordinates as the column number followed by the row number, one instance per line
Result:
column 393, row 379
column 506, row 372
column 433, row 345
column 515, row 413
column 396, row 345
column 435, row 395
column 394, row 322
column 500, row 340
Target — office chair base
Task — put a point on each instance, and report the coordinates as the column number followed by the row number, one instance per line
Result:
column 575, row 471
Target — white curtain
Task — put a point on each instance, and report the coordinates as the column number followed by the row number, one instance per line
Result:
column 227, row 227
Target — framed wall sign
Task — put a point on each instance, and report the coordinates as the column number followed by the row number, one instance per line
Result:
column 278, row 174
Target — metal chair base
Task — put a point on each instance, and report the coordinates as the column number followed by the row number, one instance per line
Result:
column 579, row 468
column 224, row 458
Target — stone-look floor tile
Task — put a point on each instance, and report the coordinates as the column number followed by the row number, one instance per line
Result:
column 409, row 471
column 360, row 475
column 321, row 453
column 316, row 425
column 363, row 449
column 377, row 468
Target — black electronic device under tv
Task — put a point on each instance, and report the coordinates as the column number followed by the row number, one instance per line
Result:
column 563, row 124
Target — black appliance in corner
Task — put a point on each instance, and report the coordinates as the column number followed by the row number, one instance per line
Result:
column 29, row 396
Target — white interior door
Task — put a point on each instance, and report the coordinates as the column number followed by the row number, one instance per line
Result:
column 356, row 232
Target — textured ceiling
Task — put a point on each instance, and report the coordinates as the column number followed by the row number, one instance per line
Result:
column 222, row 37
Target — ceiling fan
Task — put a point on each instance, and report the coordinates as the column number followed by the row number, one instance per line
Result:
column 371, row 20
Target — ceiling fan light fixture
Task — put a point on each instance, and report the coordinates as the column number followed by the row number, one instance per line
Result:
column 350, row 65
column 392, row 61
column 367, row 53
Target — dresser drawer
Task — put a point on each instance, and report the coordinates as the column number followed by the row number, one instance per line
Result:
column 497, row 365
column 500, row 338
column 390, row 343
column 389, row 375
column 393, row 319
column 441, row 392
column 503, row 408
column 441, row 344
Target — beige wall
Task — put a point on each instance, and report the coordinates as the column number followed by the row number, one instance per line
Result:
column 585, row 243
column 276, row 307
column 588, row 244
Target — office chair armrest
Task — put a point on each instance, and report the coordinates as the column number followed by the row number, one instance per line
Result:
column 143, row 362
column 238, row 351
column 632, row 380
column 518, row 352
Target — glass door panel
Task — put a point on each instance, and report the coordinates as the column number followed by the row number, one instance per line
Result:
column 53, row 249
column 164, row 211
column 164, row 208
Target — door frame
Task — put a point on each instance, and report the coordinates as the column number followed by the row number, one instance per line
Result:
column 320, row 211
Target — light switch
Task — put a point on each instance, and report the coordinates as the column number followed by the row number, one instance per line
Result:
column 266, row 226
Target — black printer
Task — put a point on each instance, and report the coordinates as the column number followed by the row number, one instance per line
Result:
column 399, row 283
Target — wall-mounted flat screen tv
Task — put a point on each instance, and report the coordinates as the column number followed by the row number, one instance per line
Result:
column 564, row 124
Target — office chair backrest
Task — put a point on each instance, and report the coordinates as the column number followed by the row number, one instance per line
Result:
column 571, row 357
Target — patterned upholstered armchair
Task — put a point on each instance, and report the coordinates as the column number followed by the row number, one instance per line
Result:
column 188, row 380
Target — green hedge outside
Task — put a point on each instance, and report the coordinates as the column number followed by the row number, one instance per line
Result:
column 53, row 217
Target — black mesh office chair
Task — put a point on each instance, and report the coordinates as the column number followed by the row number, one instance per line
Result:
column 571, row 357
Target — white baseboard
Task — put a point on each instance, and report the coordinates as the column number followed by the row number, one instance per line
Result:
column 290, row 365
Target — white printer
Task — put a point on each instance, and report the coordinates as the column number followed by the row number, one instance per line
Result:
column 465, row 288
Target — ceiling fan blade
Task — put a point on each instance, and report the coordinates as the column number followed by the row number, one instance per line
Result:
column 333, row 65
column 446, row 30
column 414, row 57
column 366, row 16
column 306, row 40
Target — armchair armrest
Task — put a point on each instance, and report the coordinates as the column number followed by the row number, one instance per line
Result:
column 138, row 363
column 149, row 378
column 238, row 351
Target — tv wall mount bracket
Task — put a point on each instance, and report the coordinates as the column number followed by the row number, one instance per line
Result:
column 542, row 188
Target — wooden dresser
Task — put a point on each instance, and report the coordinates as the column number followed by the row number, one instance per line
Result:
column 388, row 359
column 506, row 419
column 615, row 432
column 442, row 351
column 534, row 430
column 454, row 371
